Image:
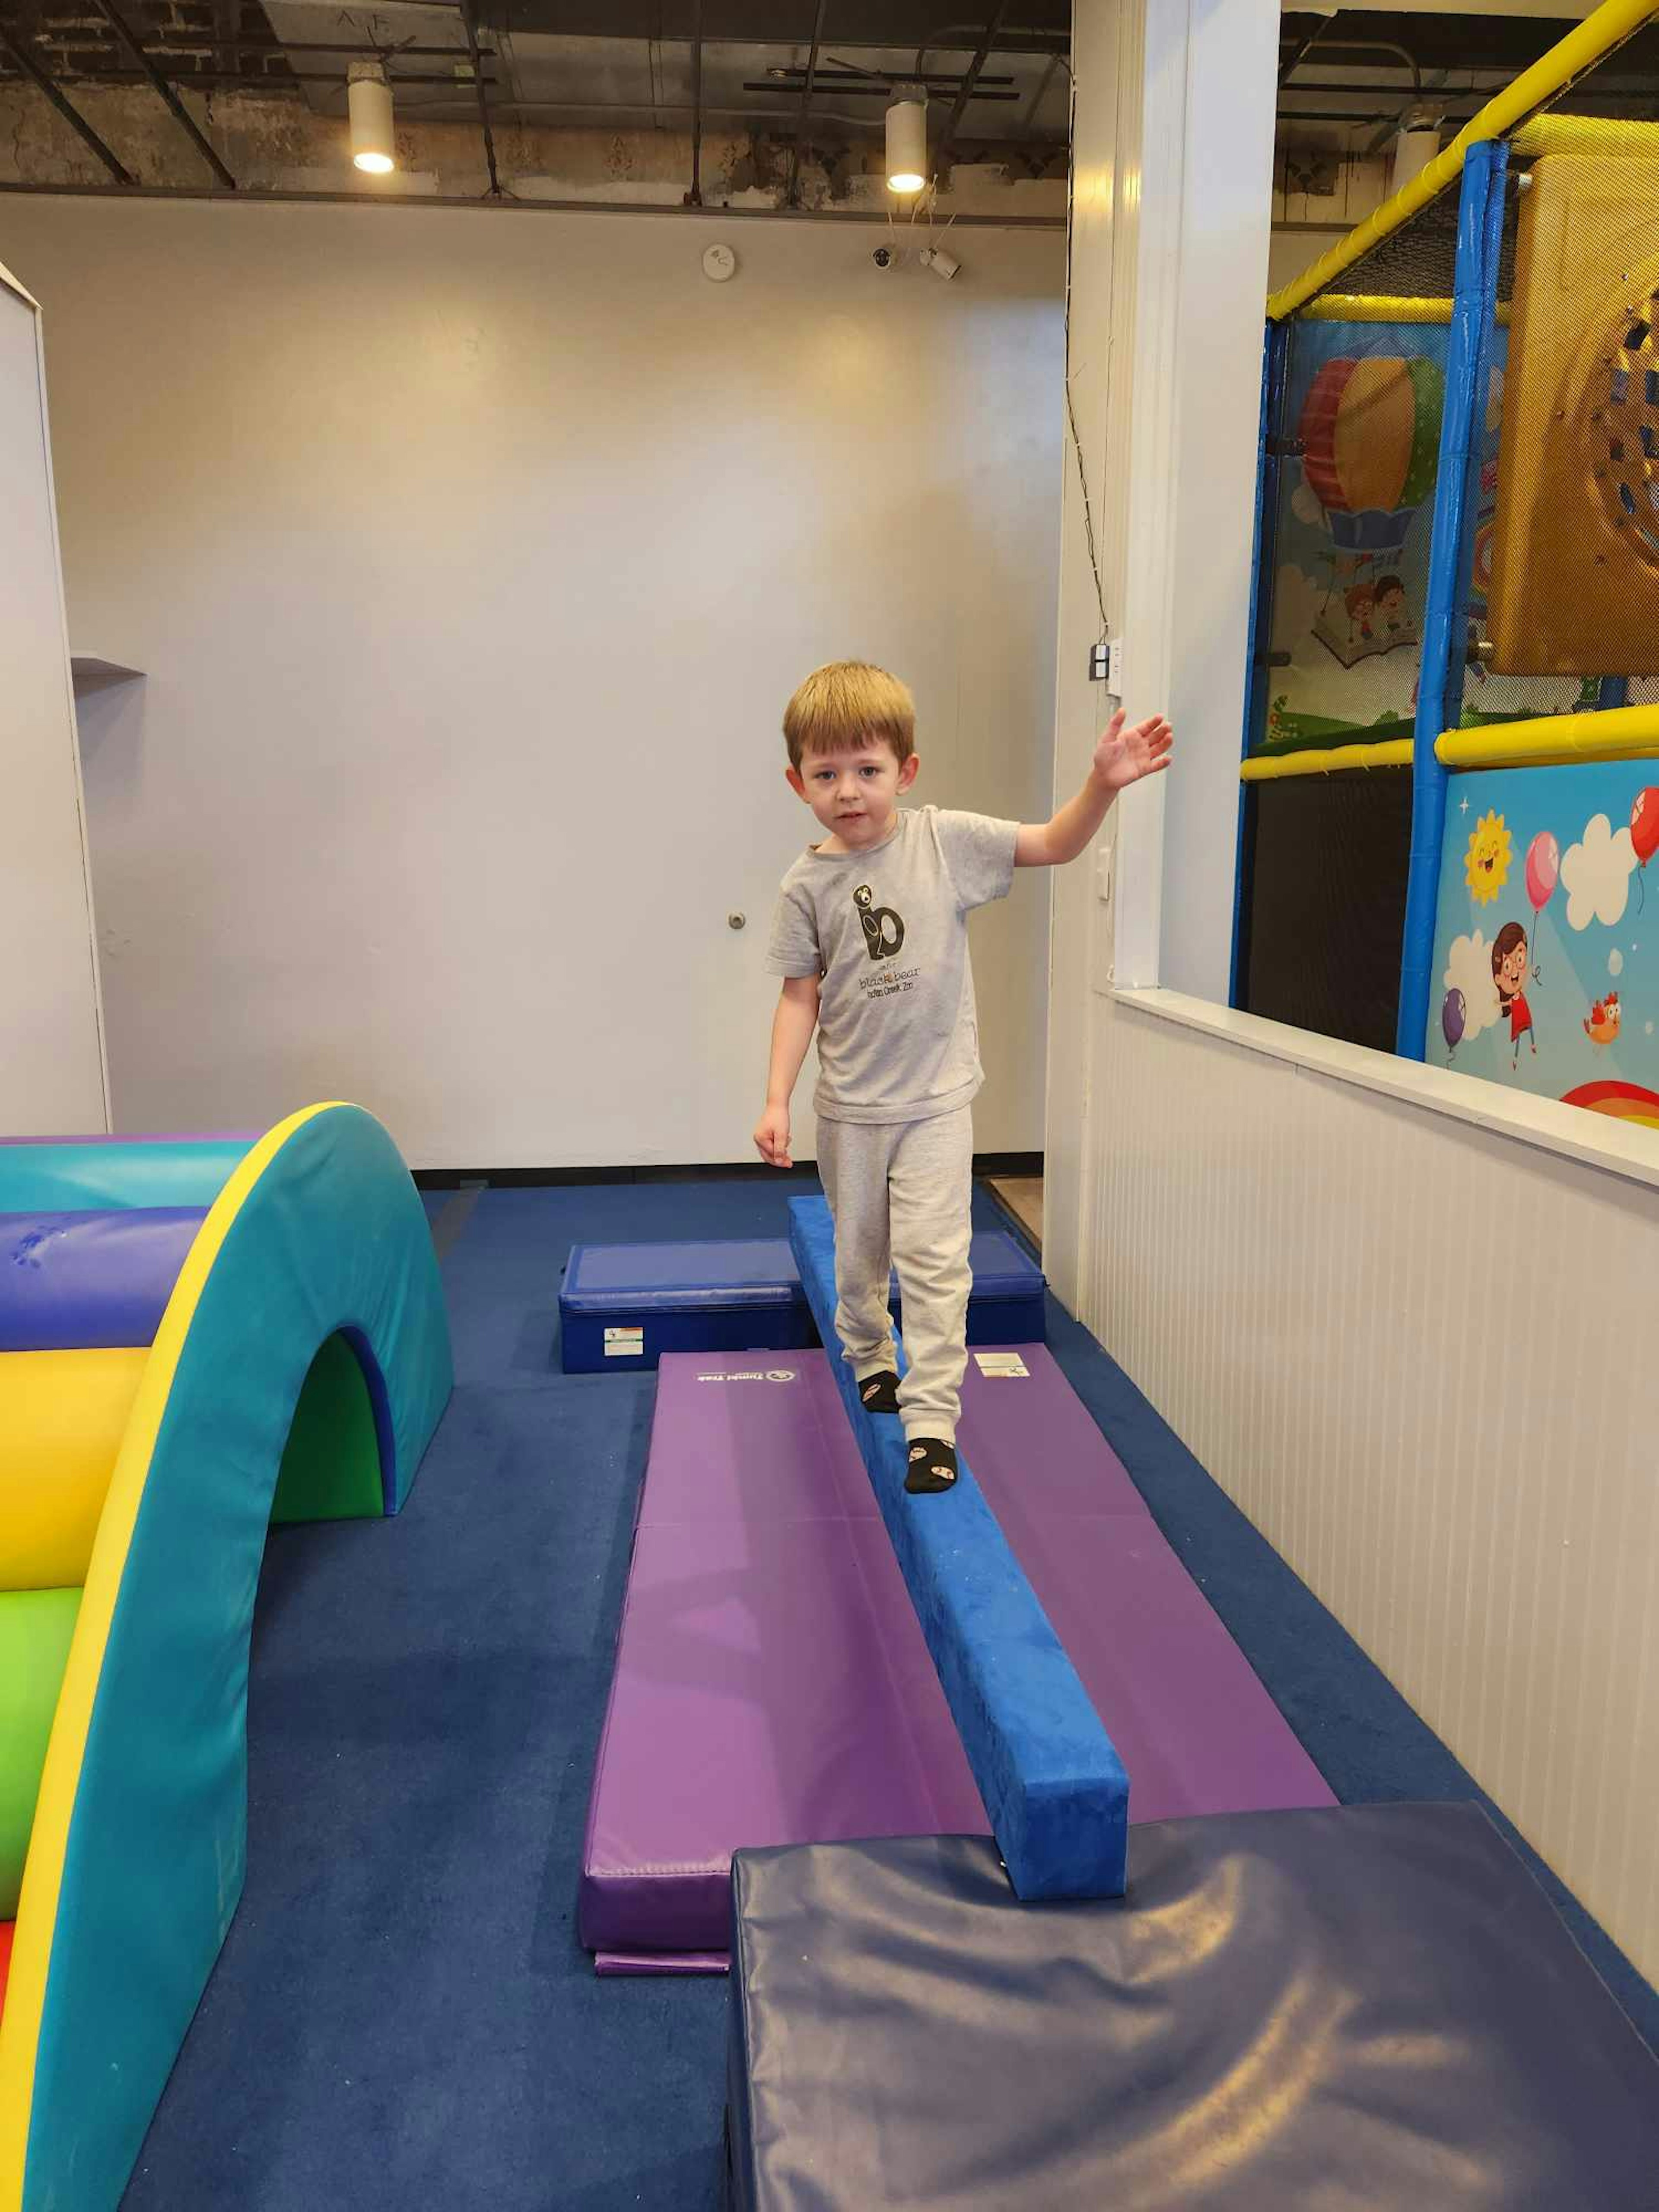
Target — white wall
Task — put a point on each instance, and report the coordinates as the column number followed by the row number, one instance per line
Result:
column 1404, row 1347
column 1291, row 251
column 472, row 557
column 1399, row 1332
column 52, row 1071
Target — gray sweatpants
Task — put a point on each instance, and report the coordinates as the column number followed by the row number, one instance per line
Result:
column 901, row 1193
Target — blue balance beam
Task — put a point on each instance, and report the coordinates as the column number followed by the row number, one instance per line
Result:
column 1056, row 1790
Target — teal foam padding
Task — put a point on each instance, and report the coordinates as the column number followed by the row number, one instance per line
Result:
column 120, row 1172
column 333, row 1237
column 1055, row 1791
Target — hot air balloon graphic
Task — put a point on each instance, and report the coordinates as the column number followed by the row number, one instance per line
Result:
column 1370, row 433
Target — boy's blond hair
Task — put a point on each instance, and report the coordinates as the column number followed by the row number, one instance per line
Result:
column 842, row 704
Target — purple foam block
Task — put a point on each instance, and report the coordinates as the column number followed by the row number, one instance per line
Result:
column 85, row 1280
column 773, row 1686
column 771, row 1679
column 1190, row 1719
column 661, row 1962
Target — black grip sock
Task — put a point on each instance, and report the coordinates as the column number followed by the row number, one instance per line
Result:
column 932, row 1466
column 879, row 1393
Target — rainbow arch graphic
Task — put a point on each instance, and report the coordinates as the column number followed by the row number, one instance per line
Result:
column 1624, row 1102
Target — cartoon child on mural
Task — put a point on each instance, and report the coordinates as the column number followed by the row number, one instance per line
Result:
column 1368, row 604
column 1509, row 973
column 1361, row 604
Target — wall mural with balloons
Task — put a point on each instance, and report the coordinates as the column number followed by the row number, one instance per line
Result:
column 1539, row 974
column 1546, row 960
column 1352, row 548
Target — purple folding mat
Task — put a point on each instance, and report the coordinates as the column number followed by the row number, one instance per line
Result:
column 772, row 1685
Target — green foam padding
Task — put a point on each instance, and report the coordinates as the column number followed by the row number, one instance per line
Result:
column 35, row 1628
column 331, row 1468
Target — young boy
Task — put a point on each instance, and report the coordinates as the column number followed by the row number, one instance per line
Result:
column 871, row 938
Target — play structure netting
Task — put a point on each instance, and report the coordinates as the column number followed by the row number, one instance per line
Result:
column 1451, row 771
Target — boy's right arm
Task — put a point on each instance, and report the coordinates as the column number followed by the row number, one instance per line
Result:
column 792, row 1032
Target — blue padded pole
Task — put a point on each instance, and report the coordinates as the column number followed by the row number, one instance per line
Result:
column 1275, row 353
column 1440, row 683
column 1055, row 1788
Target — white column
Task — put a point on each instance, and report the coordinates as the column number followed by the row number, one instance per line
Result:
column 1172, row 203
column 53, row 1078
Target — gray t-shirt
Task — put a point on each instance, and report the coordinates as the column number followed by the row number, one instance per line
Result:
column 887, row 931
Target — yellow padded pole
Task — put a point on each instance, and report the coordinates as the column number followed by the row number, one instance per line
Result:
column 1367, row 307
column 63, row 1415
column 1277, row 768
column 1552, row 740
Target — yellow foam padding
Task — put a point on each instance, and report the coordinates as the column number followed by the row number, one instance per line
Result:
column 1575, row 543
column 37, row 1911
column 1599, row 34
column 1552, row 740
column 1586, row 134
column 1275, row 768
column 1368, row 307
column 63, row 1415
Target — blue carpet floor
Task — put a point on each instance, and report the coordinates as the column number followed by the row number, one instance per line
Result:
column 401, row 2016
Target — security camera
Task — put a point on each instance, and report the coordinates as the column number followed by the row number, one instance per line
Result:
column 884, row 257
column 941, row 263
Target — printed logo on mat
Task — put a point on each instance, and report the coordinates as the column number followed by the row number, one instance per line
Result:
column 1001, row 1363
column 624, row 1343
column 753, row 1375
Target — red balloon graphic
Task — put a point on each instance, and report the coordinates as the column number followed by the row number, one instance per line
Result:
column 1644, row 824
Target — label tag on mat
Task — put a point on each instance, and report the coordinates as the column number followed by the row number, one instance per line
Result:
column 1001, row 1363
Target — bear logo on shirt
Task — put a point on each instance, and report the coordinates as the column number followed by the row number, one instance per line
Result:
column 884, row 930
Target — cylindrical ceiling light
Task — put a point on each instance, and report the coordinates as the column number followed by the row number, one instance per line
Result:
column 368, row 100
column 907, row 139
column 1418, row 144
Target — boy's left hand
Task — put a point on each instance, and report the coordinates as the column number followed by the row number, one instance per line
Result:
column 1124, row 756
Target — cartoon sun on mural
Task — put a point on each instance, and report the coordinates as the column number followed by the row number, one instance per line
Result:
column 1539, row 909
column 1486, row 863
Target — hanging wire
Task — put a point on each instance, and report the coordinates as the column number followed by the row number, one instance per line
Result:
column 1071, row 413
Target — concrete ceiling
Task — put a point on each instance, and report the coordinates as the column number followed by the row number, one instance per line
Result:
column 1364, row 68
column 542, row 67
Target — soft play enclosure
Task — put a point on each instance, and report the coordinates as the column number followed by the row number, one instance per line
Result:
column 1457, row 590
column 196, row 1337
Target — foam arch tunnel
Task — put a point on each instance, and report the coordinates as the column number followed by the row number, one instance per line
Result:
column 195, row 1338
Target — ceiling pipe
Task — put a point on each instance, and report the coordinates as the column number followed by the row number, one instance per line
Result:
column 176, row 106
column 1287, row 69
column 982, row 55
column 694, row 198
column 791, row 193
column 77, row 122
column 468, row 18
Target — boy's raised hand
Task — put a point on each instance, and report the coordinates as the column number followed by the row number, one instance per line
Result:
column 772, row 1137
column 1124, row 756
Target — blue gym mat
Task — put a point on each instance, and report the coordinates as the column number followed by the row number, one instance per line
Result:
column 1360, row 2005
column 623, row 1305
